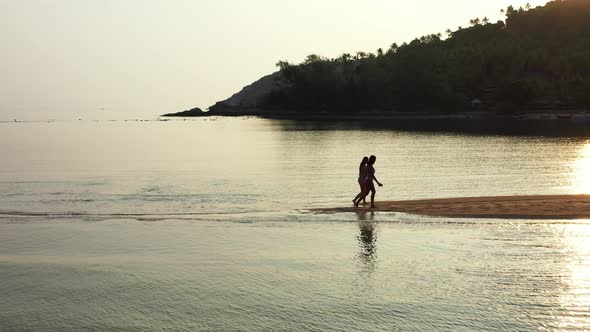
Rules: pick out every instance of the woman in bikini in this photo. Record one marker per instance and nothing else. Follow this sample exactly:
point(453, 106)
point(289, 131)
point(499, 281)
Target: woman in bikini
point(361, 181)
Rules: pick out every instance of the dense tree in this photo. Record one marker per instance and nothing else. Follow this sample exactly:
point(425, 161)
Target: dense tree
point(538, 57)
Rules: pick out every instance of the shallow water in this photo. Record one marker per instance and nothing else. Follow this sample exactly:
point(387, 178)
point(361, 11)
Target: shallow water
point(202, 225)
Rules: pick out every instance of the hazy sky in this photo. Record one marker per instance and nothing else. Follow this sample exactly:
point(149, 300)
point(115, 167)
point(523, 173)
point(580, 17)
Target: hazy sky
point(66, 59)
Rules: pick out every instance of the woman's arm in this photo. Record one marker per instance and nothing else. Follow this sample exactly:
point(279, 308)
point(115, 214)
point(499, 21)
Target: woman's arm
point(374, 178)
point(372, 173)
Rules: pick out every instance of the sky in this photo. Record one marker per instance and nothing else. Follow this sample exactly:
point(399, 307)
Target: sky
point(125, 59)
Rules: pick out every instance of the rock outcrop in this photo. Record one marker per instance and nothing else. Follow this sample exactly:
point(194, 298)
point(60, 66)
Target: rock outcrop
point(192, 112)
point(252, 96)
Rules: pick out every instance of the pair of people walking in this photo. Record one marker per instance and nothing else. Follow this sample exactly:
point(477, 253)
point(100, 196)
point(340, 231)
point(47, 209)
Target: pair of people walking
point(365, 180)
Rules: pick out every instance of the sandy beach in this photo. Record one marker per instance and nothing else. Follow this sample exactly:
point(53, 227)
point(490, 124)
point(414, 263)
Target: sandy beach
point(525, 207)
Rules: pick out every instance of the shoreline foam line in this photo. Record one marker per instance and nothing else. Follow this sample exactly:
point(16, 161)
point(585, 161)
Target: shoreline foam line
point(504, 207)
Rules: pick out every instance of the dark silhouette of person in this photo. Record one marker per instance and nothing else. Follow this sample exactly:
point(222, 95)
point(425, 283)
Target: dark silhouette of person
point(361, 181)
point(368, 184)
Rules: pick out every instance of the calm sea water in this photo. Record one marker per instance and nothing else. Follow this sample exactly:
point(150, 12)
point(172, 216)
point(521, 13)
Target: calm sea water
point(203, 225)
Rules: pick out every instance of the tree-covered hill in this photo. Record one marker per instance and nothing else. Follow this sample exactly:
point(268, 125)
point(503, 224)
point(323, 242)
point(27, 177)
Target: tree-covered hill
point(538, 58)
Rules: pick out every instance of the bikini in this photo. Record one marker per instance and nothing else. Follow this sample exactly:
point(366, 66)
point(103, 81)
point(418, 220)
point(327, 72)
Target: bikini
point(361, 179)
point(369, 178)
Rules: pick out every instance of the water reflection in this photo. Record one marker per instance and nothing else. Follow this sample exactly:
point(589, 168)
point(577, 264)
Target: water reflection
point(367, 240)
point(575, 299)
point(502, 127)
point(581, 171)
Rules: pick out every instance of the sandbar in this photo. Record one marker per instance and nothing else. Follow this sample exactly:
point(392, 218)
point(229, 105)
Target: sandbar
point(504, 207)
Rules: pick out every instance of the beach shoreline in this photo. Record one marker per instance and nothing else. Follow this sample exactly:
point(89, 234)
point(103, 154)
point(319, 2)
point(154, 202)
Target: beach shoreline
point(504, 207)
point(543, 115)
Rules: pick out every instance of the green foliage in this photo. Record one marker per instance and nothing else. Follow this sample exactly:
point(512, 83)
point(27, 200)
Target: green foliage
point(513, 95)
point(538, 55)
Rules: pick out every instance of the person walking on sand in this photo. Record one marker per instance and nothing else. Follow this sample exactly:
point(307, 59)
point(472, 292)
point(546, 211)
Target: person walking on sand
point(368, 184)
point(361, 180)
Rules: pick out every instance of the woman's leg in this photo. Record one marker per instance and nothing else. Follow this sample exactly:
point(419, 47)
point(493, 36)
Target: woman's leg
point(373, 192)
point(366, 190)
point(361, 195)
point(364, 197)
point(358, 197)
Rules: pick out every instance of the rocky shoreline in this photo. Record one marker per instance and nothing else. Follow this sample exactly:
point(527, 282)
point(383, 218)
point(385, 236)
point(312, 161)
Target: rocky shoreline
point(577, 115)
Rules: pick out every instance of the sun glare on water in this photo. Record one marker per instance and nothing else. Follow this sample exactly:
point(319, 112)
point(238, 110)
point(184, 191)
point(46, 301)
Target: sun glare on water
point(581, 171)
point(575, 298)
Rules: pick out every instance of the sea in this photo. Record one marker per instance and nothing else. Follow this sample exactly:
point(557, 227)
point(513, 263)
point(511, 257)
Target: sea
point(210, 224)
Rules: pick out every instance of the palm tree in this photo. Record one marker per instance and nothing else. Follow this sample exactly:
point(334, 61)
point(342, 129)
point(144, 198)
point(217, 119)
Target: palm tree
point(344, 57)
point(313, 58)
point(283, 64)
point(379, 51)
point(486, 20)
point(393, 48)
point(449, 33)
point(510, 10)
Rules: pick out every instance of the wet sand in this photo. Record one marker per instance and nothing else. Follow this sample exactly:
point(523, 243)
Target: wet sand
point(508, 207)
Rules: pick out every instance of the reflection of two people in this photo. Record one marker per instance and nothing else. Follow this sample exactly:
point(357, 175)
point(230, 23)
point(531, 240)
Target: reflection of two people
point(367, 238)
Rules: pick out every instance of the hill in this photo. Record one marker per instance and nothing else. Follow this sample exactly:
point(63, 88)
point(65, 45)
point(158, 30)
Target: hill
point(535, 59)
